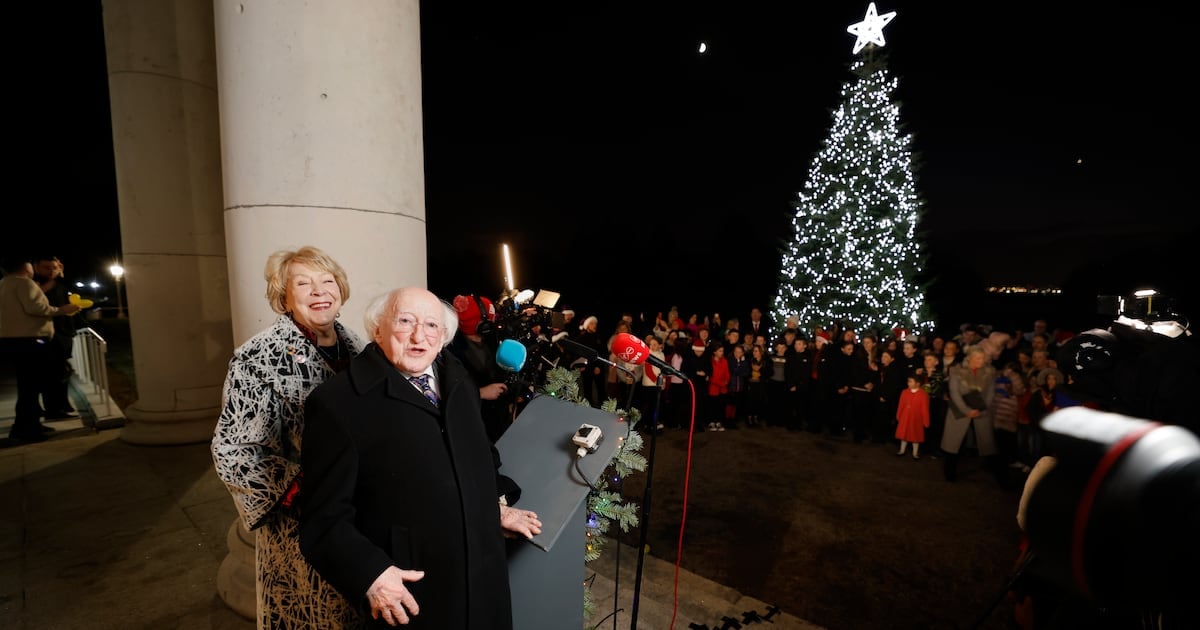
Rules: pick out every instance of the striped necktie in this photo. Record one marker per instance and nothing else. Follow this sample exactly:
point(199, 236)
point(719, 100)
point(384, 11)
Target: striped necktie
point(422, 382)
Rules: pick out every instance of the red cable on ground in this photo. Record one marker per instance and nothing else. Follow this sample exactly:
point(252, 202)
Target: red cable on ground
point(687, 475)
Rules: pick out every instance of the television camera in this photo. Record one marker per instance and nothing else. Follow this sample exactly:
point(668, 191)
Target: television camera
point(1112, 525)
point(529, 319)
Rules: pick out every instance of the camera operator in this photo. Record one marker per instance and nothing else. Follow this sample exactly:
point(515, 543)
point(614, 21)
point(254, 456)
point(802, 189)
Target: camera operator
point(478, 354)
point(565, 328)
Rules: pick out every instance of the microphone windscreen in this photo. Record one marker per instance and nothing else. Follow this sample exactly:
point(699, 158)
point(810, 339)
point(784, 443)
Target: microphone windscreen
point(630, 349)
point(524, 296)
point(510, 356)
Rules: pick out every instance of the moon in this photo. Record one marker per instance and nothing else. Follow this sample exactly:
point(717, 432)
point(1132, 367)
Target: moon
point(703, 47)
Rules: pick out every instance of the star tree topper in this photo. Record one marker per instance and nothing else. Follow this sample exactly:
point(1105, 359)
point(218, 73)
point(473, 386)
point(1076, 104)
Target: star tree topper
point(870, 30)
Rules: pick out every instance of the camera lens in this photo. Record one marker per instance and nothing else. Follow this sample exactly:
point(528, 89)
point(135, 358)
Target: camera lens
point(1116, 519)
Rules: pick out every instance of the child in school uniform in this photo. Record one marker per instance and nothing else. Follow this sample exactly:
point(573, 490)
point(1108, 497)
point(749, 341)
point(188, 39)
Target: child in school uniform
point(912, 417)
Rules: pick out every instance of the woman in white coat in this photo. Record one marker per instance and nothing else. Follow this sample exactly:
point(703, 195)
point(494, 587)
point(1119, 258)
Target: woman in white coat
point(256, 444)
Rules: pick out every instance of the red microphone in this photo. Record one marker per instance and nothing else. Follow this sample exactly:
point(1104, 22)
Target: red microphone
point(630, 349)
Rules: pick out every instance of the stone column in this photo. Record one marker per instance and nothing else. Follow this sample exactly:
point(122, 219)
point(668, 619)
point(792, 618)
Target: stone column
point(321, 145)
point(162, 86)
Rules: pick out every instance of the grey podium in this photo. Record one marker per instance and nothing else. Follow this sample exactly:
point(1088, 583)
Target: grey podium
point(546, 574)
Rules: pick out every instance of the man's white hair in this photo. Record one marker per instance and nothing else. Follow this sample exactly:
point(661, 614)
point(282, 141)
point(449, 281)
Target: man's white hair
point(381, 306)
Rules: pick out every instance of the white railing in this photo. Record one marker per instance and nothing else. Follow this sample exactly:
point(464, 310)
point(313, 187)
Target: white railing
point(90, 358)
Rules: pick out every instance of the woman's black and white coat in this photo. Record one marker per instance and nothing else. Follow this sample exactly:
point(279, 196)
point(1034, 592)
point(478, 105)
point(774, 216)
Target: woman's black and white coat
point(256, 450)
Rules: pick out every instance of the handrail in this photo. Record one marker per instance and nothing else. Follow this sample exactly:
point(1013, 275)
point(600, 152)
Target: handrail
point(90, 359)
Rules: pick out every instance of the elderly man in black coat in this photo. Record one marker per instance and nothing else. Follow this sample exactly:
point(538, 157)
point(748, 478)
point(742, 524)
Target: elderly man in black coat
point(403, 510)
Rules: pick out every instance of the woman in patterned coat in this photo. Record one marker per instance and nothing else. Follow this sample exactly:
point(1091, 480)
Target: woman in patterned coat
point(256, 444)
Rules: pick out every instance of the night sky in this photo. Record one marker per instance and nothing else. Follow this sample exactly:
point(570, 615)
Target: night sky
point(628, 171)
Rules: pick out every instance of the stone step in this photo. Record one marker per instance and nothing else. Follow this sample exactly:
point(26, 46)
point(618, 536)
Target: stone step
point(702, 602)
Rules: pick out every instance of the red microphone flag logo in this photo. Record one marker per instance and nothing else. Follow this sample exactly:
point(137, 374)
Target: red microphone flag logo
point(630, 349)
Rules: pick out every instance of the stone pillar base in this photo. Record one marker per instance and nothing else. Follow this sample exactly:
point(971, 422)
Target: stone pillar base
point(163, 428)
point(236, 578)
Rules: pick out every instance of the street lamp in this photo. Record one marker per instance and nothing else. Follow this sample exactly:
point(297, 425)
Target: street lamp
point(118, 272)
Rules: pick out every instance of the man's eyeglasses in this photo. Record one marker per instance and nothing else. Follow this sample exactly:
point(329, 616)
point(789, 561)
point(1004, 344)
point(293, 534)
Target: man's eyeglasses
point(406, 322)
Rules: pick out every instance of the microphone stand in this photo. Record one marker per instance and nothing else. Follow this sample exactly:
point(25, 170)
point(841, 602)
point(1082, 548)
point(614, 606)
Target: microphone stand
point(589, 356)
point(641, 555)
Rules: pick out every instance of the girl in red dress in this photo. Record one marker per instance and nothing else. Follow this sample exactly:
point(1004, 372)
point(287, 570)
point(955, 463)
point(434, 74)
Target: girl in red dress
point(718, 388)
point(912, 416)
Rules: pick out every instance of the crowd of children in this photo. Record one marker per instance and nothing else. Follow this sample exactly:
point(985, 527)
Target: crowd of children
point(872, 387)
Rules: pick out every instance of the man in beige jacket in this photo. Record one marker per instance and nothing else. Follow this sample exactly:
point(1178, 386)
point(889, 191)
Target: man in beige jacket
point(26, 330)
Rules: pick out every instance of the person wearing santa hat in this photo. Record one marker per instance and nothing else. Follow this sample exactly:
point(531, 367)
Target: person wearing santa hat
point(478, 355)
point(567, 329)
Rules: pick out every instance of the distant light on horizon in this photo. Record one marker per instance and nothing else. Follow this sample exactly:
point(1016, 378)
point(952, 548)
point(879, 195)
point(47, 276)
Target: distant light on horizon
point(1050, 290)
point(94, 284)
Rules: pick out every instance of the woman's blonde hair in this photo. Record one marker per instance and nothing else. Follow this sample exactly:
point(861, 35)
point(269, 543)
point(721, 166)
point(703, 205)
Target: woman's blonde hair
point(276, 273)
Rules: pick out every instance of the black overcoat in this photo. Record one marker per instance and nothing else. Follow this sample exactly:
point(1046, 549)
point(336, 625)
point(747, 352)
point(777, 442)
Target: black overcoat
point(390, 479)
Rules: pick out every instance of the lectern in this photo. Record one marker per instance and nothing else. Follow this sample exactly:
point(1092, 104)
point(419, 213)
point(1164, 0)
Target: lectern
point(546, 574)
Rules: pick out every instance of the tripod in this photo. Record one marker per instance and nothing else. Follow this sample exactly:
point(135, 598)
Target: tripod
point(1012, 581)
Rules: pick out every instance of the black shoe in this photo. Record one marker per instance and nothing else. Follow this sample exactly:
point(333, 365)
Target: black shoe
point(47, 430)
point(61, 415)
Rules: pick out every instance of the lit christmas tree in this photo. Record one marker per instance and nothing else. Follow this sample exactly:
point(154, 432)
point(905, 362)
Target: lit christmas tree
point(855, 255)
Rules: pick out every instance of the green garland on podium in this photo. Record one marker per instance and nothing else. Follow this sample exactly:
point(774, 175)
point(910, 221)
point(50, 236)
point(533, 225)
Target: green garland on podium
point(605, 506)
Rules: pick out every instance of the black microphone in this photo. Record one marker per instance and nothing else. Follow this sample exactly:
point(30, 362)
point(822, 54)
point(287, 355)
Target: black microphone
point(586, 352)
point(591, 354)
point(630, 349)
